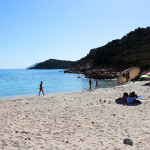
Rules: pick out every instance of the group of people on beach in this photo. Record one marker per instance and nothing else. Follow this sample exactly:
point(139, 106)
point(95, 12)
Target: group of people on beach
point(90, 83)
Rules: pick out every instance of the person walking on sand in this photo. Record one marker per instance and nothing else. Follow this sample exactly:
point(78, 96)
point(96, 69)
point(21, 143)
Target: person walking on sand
point(90, 83)
point(41, 88)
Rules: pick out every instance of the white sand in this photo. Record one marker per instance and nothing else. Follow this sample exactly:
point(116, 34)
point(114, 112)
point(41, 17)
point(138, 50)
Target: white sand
point(75, 121)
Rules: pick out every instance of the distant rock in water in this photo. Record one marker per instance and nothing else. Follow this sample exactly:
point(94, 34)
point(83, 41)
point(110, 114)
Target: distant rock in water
point(32, 66)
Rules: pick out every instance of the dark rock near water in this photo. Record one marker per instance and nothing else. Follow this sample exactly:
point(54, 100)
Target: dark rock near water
point(95, 73)
point(100, 74)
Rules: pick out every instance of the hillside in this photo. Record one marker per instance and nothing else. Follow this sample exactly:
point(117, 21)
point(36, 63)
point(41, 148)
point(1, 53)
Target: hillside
point(130, 51)
point(105, 62)
point(53, 64)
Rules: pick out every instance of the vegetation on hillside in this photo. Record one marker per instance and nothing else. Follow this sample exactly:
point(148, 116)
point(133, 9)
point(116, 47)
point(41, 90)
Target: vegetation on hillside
point(53, 64)
point(132, 50)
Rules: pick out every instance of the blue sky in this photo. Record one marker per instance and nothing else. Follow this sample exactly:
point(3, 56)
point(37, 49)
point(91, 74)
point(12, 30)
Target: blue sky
point(33, 31)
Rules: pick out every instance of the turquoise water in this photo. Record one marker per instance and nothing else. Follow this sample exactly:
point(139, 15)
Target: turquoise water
point(21, 82)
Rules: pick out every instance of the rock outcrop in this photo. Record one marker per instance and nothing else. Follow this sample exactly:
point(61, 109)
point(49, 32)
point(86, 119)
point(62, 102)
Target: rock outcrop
point(132, 50)
point(96, 73)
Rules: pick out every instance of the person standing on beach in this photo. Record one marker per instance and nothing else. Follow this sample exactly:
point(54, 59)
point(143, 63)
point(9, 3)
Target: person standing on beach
point(90, 83)
point(96, 83)
point(41, 88)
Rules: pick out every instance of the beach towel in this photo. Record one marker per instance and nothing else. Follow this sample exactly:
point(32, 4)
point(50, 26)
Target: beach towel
point(141, 98)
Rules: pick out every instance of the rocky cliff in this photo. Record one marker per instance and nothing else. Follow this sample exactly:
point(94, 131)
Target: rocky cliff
point(106, 62)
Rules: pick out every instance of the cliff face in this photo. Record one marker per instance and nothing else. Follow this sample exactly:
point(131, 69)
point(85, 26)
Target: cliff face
point(130, 51)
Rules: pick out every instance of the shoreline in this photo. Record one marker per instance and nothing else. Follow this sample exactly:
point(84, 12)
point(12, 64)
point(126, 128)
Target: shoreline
point(125, 86)
point(76, 120)
point(95, 88)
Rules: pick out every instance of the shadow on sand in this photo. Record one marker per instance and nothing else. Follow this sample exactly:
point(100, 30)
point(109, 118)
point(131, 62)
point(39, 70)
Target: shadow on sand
point(121, 102)
point(147, 84)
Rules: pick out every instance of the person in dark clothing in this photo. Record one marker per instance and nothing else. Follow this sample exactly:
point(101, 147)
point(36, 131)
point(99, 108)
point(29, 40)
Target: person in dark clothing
point(41, 88)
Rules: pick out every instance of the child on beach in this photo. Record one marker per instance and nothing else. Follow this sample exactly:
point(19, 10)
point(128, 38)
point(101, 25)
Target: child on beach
point(41, 88)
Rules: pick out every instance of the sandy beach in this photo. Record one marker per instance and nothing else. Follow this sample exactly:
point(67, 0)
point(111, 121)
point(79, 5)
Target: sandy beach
point(86, 120)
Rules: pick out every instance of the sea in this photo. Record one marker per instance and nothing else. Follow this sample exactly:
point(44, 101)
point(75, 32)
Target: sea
point(26, 82)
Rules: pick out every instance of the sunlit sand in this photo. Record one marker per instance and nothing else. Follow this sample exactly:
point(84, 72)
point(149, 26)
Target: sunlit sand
point(78, 120)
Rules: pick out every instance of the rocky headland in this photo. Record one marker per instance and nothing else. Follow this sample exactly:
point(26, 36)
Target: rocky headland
point(96, 73)
point(108, 61)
